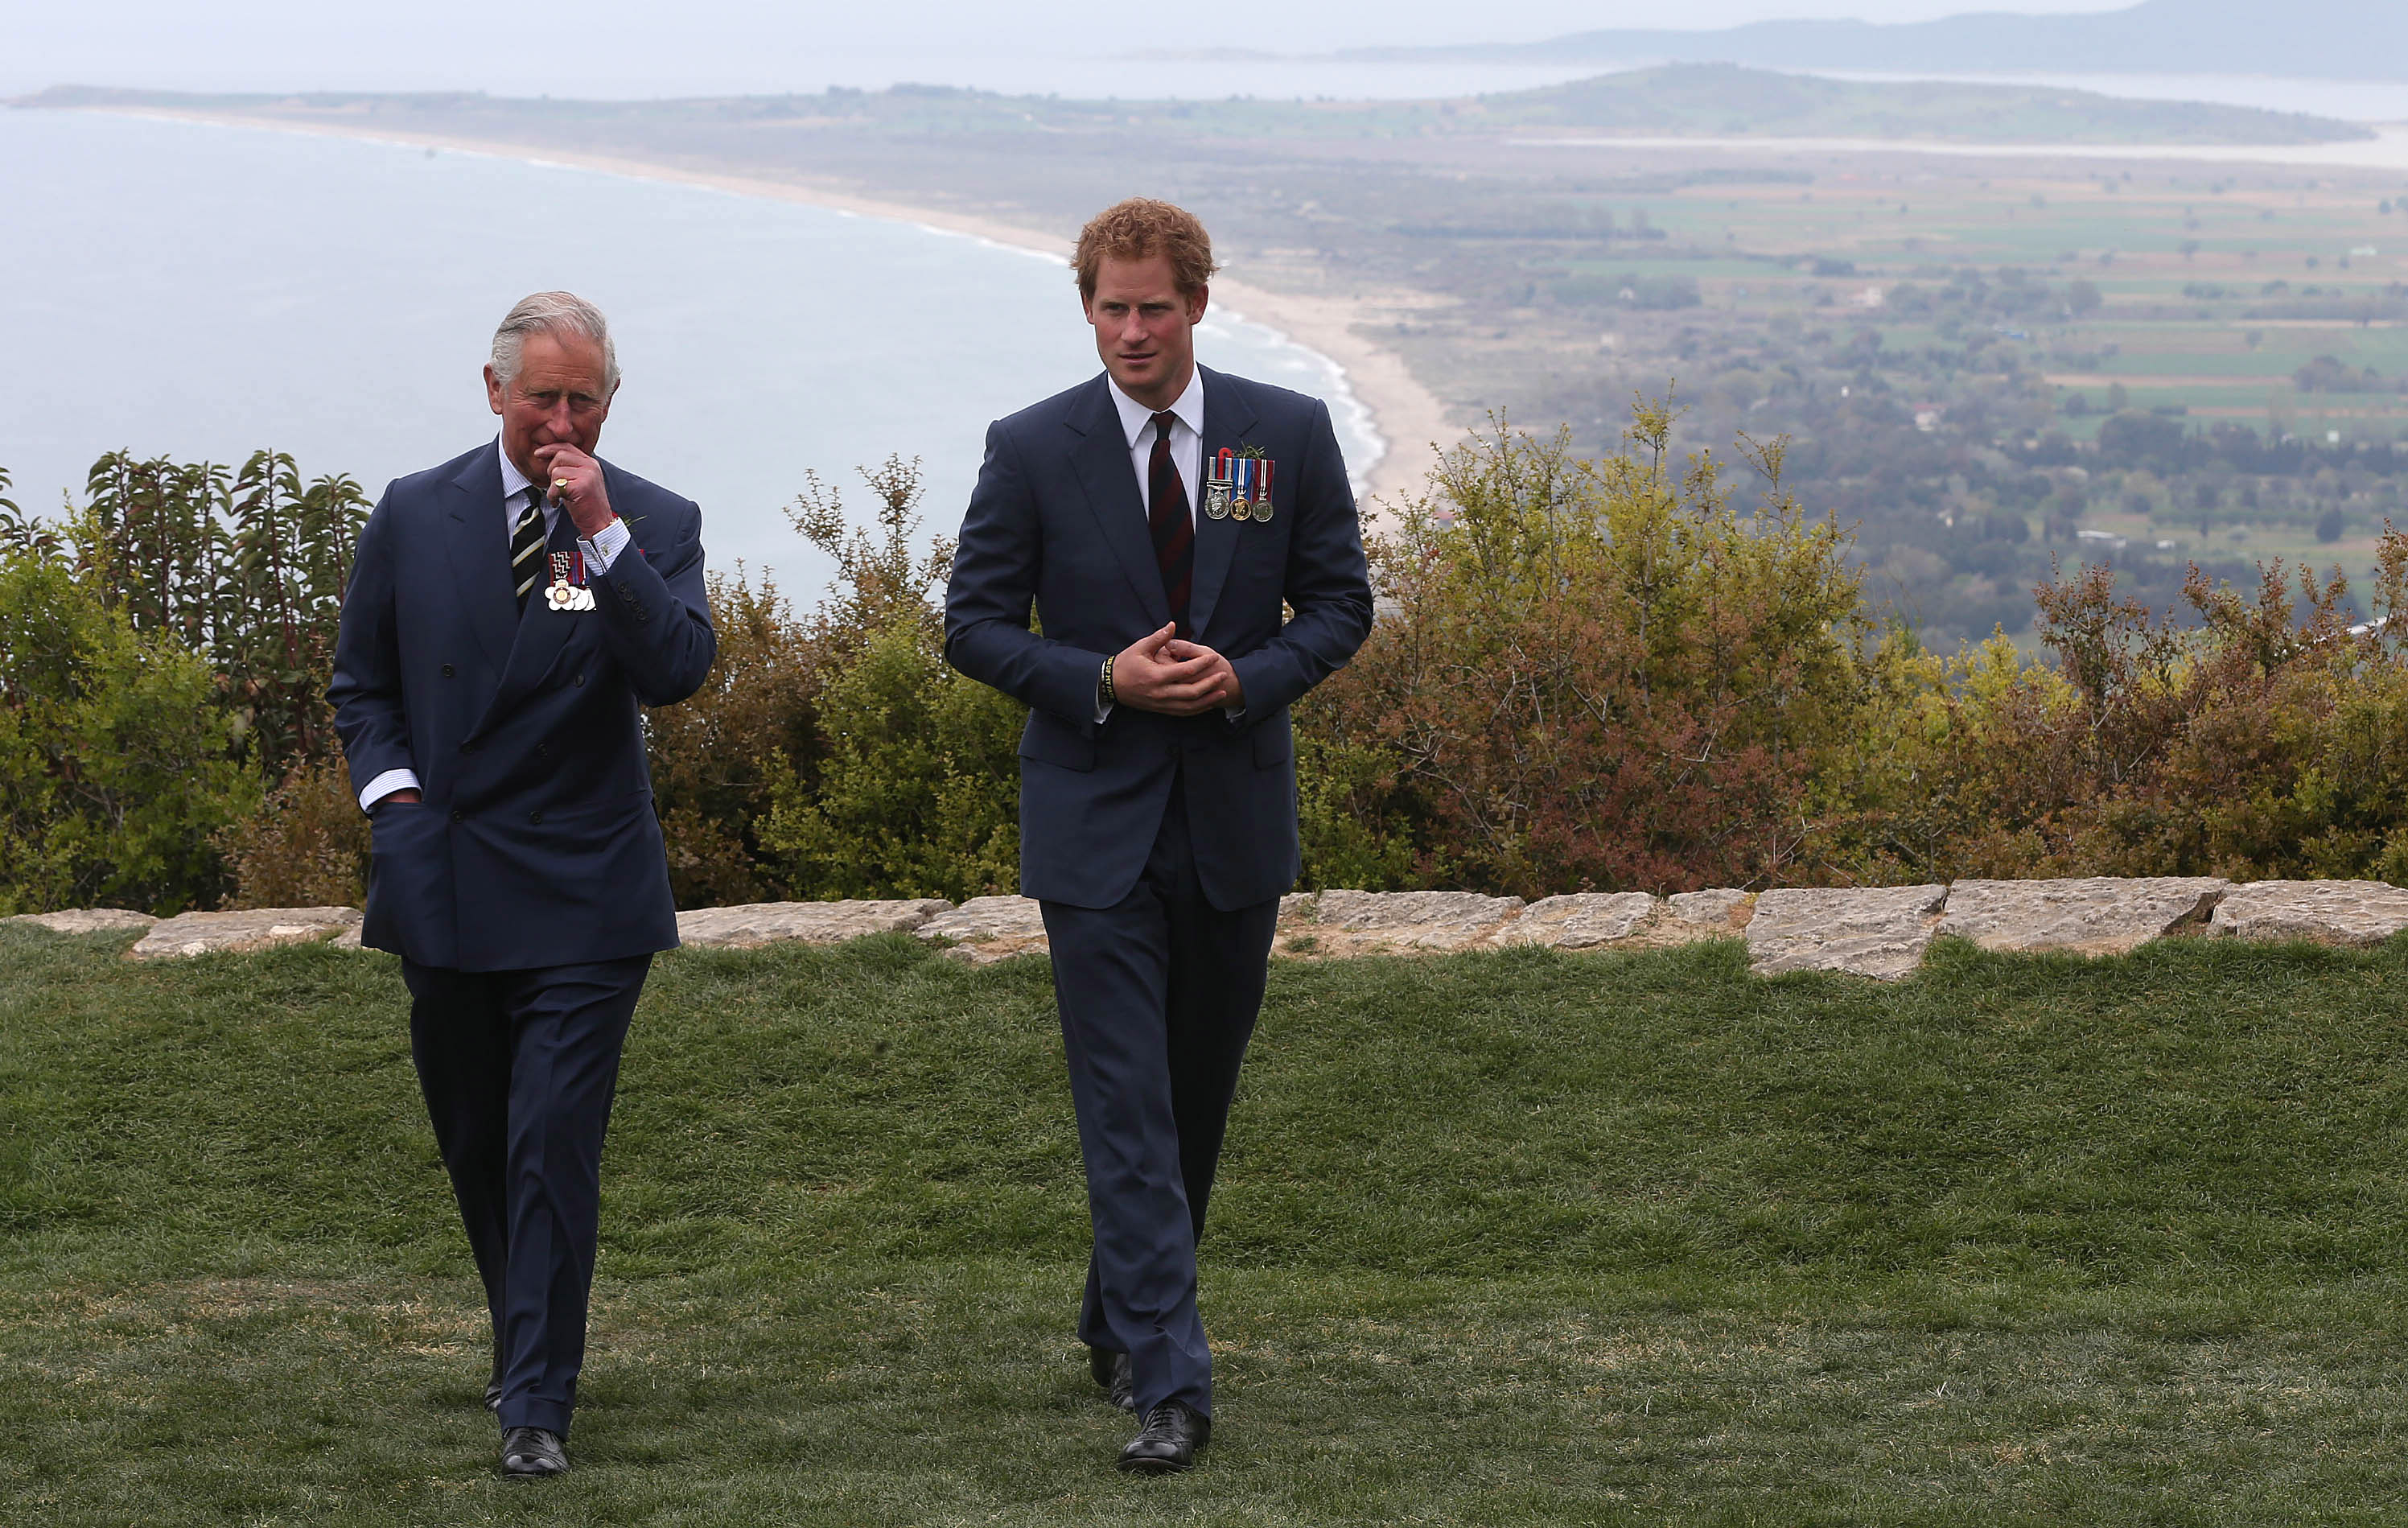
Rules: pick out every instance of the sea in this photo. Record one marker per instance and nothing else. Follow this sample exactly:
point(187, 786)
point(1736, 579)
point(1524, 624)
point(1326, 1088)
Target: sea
point(201, 292)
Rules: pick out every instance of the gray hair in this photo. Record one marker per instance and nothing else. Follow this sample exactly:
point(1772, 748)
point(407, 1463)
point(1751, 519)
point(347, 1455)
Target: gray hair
point(553, 313)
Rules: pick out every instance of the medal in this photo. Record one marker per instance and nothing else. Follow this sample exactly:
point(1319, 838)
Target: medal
point(564, 595)
point(1249, 482)
point(1218, 486)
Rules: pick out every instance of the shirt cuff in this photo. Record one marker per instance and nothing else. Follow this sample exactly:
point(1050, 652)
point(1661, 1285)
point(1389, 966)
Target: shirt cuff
point(385, 785)
point(604, 549)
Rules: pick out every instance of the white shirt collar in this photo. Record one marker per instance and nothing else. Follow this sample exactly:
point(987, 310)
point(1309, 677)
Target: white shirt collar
point(515, 483)
point(1135, 416)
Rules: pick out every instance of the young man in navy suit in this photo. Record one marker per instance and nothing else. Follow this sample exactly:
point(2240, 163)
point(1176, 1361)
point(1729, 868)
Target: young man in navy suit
point(510, 612)
point(1156, 519)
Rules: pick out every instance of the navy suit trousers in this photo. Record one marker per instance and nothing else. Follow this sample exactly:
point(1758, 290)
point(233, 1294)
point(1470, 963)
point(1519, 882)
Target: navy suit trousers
point(1158, 996)
point(519, 1069)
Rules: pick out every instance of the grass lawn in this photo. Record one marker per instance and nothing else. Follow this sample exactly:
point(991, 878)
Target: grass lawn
point(1503, 1238)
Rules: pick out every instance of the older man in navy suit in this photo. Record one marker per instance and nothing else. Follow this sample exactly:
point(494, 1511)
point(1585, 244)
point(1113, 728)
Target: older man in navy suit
point(510, 612)
point(1156, 518)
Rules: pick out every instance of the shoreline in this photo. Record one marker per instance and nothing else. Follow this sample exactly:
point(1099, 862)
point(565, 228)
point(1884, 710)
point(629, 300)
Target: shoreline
point(1403, 416)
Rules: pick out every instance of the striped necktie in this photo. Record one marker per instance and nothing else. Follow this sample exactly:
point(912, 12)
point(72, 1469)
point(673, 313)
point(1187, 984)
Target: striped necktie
point(526, 547)
point(1169, 519)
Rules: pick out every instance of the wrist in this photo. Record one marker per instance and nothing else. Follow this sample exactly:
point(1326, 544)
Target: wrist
point(1104, 683)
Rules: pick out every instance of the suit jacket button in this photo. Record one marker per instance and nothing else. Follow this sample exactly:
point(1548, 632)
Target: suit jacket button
point(535, 818)
point(458, 815)
point(578, 679)
point(446, 670)
point(467, 747)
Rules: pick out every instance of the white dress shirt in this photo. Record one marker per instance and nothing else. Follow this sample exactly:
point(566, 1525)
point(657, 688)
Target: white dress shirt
point(600, 551)
point(1186, 454)
point(1186, 439)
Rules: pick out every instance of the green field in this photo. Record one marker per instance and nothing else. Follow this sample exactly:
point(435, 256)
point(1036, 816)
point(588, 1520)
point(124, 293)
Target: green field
point(1503, 1239)
point(2212, 296)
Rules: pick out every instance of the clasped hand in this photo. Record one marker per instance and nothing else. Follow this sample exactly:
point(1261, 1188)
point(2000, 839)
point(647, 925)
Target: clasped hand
point(1164, 673)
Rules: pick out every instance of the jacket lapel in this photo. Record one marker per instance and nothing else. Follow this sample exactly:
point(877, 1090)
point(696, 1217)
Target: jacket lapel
point(480, 556)
point(1099, 456)
point(1227, 416)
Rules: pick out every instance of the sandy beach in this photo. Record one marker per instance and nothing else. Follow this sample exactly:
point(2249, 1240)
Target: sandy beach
point(1406, 418)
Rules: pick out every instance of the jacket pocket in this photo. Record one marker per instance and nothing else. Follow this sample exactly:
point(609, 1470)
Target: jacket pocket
point(1050, 742)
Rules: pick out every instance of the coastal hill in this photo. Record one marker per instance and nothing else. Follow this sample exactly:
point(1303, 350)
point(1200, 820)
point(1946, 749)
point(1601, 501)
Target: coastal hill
point(1717, 100)
point(1726, 100)
point(2311, 39)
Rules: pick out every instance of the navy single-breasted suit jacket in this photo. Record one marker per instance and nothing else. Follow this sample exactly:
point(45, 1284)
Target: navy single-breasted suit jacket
point(1057, 521)
point(536, 845)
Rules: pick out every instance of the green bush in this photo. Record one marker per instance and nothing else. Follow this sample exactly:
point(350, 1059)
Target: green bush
point(116, 763)
point(919, 792)
point(913, 788)
point(1587, 675)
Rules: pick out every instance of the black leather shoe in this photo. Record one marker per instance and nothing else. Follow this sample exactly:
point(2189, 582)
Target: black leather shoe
point(493, 1388)
point(531, 1451)
point(1111, 1371)
point(1166, 1444)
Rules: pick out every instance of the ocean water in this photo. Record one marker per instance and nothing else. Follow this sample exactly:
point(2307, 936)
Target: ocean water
point(201, 292)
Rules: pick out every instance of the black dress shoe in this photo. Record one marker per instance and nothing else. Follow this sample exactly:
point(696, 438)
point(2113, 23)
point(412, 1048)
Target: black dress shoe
point(1112, 1370)
point(1166, 1444)
point(494, 1389)
point(532, 1451)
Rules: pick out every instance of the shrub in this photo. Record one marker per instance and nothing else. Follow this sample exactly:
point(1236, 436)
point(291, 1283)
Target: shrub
point(2267, 740)
point(916, 787)
point(116, 766)
point(1587, 675)
point(305, 846)
point(716, 756)
point(919, 792)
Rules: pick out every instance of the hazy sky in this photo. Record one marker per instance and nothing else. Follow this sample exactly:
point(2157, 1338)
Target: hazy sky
point(600, 48)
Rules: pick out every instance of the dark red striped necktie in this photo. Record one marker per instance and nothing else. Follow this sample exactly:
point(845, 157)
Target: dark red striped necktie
point(1168, 517)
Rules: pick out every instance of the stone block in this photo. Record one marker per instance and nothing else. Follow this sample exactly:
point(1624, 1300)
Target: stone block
point(809, 923)
point(2092, 915)
point(189, 934)
point(1340, 923)
point(2327, 912)
point(1583, 921)
point(984, 930)
point(86, 920)
point(1718, 913)
point(1875, 931)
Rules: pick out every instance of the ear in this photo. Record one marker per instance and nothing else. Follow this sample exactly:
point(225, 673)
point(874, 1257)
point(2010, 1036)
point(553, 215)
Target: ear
point(1197, 304)
point(492, 389)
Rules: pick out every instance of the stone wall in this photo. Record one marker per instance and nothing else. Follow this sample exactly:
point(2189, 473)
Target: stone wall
point(1876, 932)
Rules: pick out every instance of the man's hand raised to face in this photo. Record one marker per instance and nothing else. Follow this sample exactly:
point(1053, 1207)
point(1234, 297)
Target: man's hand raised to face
point(586, 499)
point(1164, 672)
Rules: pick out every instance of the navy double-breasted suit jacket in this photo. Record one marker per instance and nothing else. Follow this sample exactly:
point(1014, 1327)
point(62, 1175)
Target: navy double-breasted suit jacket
point(1057, 521)
point(536, 843)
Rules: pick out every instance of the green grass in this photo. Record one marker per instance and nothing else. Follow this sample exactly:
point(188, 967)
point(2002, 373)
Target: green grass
point(1519, 1238)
